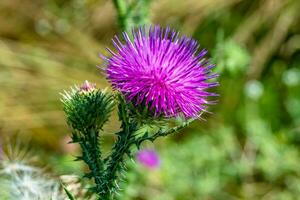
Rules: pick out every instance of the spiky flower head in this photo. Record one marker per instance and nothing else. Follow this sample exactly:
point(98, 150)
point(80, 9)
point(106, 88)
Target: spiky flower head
point(162, 70)
point(86, 107)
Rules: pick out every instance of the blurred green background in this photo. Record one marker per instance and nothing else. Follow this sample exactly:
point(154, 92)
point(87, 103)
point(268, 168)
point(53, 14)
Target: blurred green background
point(247, 149)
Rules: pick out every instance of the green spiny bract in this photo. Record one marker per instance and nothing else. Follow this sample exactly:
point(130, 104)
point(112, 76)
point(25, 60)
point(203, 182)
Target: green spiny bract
point(87, 110)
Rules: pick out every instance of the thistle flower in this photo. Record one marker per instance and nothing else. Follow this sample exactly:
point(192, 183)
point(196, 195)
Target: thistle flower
point(148, 158)
point(163, 70)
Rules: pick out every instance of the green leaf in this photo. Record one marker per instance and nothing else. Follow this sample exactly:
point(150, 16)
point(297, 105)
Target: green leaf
point(70, 196)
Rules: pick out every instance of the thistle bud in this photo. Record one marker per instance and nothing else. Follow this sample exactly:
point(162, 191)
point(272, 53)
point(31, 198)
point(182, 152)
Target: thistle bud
point(87, 107)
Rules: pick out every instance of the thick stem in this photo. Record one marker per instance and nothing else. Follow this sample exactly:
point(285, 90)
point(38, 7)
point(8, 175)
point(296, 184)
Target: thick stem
point(132, 14)
point(92, 157)
point(122, 10)
point(115, 163)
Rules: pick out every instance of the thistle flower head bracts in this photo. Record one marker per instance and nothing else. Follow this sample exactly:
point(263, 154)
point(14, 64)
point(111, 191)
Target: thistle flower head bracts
point(162, 70)
point(87, 107)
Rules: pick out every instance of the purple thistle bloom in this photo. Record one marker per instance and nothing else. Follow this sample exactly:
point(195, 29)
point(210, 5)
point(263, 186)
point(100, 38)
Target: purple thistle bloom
point(162, 70)
point(148, 158)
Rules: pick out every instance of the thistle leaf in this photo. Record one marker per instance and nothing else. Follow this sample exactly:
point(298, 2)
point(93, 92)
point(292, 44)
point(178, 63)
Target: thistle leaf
point(70, 196)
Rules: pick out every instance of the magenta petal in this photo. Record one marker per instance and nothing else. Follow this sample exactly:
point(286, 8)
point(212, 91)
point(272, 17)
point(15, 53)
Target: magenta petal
point(163, 70)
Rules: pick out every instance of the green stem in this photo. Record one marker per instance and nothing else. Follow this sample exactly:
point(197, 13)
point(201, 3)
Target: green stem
point(115, 163)
point(161, 133)
point(92, 157)
point(122, 10)
point(134, 14)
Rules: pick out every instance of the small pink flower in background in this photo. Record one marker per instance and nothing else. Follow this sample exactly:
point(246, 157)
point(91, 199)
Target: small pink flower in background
point(87, 86)
point(148, 158)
